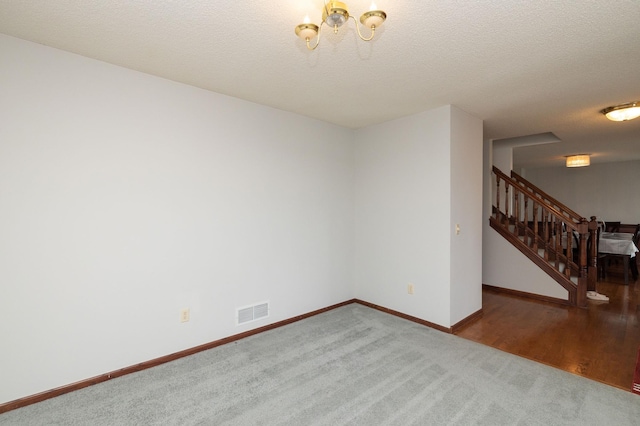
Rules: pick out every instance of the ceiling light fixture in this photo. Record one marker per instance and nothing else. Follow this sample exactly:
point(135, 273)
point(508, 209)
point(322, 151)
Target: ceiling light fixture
point(334, 15)
point(580, 160)
point(623, 112)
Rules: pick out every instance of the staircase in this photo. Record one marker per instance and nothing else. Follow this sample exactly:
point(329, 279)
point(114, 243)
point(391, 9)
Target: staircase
point(554, 237)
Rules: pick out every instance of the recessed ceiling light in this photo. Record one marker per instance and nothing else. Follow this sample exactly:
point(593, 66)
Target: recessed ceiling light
point(580, 160)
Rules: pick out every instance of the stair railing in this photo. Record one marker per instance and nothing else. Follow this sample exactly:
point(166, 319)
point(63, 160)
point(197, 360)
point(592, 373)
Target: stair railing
point(552, 236)
point(548, 198)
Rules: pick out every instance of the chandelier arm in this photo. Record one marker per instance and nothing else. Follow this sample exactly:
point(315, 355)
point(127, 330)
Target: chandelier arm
point(317, 39)
point(373, 30)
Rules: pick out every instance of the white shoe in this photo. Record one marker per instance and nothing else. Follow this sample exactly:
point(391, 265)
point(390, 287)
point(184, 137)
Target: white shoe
point(594, 295)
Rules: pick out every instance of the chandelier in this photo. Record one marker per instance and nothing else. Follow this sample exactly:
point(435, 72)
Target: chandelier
point(334, 15)
point(622, 112)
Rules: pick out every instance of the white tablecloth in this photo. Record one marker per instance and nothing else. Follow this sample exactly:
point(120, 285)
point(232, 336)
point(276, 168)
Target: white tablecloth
point(617, 243)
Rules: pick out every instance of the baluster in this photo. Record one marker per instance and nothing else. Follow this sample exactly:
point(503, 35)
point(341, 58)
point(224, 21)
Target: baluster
point(516, 212)
point(526, 219)
point(497, 196)
point(557, 240)
point(569, 237)
point(545, 232)
point(506, 204)
point(569, 244)
point(535, 226)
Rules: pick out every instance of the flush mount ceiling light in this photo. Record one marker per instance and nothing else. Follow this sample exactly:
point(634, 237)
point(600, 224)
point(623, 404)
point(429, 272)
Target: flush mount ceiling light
point(580, 160)
point(623, 112)
point(334, 15)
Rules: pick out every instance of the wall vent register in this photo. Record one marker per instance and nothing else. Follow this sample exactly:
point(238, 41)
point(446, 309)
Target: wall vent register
point(252, 313)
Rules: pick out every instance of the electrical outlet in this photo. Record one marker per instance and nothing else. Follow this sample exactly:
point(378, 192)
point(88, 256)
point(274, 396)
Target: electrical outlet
point(184, 315)
point(410, 288)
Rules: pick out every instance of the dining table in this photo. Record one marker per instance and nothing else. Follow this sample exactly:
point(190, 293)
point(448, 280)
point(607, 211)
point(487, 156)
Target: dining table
point(620, 244)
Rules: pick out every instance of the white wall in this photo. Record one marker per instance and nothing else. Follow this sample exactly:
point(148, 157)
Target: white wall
point(505, 266)
point(404, 207)
point(608, 190)
point(125, 198)
point(503, 157)
point(466, 211)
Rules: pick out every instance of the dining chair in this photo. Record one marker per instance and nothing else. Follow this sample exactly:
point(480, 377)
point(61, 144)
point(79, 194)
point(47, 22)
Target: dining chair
point(633, 262)
point(612, 227)
point(629, 228)
point(616, 259)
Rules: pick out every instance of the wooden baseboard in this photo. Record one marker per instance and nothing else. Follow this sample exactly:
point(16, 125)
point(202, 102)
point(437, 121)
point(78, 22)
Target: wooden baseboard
point(32, 399)
point(466, 321)
point(405, 316)
point(526, 294)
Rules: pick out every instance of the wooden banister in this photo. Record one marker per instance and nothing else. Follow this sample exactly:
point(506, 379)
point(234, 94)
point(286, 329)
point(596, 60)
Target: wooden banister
point(542, 194)
point(543, 229)
point(552, 207)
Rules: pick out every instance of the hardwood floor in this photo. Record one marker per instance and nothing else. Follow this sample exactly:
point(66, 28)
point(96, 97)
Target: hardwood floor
point(600, 342)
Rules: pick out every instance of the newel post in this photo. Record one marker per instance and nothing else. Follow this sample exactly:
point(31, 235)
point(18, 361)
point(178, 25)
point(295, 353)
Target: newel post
point(583, 278)
point(592, 273)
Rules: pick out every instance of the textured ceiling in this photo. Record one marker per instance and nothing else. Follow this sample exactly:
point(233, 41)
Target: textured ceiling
point(524, 67)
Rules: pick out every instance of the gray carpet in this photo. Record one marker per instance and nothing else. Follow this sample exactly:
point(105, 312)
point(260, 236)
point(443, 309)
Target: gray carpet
point(353, 365)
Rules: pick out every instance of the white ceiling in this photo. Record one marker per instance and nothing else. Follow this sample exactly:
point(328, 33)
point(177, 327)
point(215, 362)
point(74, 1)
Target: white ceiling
point(524, 67)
